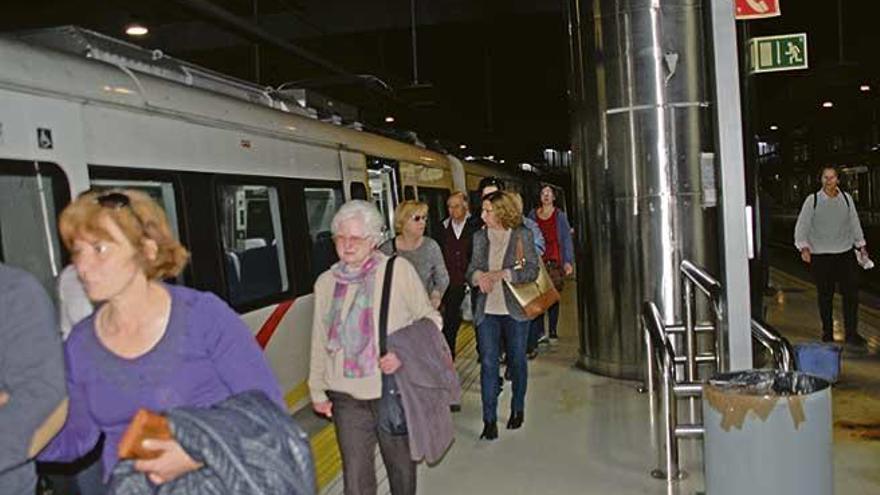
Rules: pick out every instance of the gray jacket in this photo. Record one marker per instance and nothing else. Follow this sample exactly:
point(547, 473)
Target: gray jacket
point(247, 445)
point(428, 386)
point(527, 273)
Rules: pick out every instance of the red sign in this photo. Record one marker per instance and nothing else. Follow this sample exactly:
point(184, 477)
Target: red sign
point(757, 9)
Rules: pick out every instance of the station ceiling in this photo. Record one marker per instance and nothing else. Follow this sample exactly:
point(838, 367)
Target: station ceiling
point(491, 73)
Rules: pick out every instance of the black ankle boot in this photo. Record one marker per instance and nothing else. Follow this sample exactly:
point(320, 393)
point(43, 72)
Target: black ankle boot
point(490, 431)
point(516, 420)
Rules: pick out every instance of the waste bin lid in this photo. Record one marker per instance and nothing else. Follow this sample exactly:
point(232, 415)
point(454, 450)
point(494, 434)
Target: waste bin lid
point(768, 382)
point(736, 393)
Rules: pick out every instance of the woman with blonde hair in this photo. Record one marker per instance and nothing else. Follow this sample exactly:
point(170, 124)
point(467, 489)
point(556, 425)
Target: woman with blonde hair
point(410, 219)
point(149, 344)
point(503, 251)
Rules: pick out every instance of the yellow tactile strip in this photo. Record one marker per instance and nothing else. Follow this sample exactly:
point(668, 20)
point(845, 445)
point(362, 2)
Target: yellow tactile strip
point(328, 463)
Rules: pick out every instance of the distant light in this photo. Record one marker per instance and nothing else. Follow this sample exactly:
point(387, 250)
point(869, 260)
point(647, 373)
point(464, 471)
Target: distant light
point(462, 146)
point(389, 119)
point(136, 29)
point(774, 127)
point(490, 157)
point(469, 158)
point(548, 150)
point(501, 161)
point(827, 104)
point(864, 88)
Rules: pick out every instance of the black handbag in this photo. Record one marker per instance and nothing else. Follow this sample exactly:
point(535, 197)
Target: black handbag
point(392, 418)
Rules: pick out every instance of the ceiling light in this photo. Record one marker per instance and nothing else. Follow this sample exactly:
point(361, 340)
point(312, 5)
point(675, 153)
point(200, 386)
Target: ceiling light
point(774, 127)
point(389, 119)
point(136, 29)
point(827, 104)
point(490, 157)
point(864, 88)
point(462, 146)
point(501, 161)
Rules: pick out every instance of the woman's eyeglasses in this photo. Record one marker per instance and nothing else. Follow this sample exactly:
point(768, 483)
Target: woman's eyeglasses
point(419, 218)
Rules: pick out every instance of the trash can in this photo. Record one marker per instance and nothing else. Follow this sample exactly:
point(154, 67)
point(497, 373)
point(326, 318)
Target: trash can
point(767, 432)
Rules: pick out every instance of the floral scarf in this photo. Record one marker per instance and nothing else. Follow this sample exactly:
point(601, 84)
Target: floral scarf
point(354, 332)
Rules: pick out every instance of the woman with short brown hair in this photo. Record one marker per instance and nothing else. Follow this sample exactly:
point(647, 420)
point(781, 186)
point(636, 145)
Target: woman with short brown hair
point(149, 344)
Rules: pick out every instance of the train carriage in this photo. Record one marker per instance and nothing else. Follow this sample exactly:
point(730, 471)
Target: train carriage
point(249, 180)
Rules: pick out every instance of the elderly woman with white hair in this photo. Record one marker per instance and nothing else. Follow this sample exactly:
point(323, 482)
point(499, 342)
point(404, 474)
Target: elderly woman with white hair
point(345, 379)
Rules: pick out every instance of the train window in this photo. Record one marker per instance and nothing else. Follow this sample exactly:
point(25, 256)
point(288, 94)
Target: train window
point(409, 192)
point(253, 245)
point(435, 198)
point(382, 189)
point(32, 195)
point(321, 204)
point(161, 191)
point(357, 190)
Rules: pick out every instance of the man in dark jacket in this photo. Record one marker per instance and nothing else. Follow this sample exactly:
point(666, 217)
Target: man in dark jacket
point(455, 241)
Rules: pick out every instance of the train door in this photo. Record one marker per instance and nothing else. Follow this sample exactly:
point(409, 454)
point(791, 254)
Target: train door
point(32, 195)
point(384, 180)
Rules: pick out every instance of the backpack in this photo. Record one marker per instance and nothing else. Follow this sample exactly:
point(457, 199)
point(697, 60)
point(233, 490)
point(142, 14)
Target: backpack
point(816, 199)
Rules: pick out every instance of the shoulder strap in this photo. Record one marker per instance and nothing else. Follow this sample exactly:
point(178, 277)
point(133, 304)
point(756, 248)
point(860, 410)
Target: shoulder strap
point(383, 308)
point(394, 245)
point(519, 247)
point(815, 199)
point(845, 198)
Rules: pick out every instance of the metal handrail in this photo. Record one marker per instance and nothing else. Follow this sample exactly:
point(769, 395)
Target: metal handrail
point(660, 349)
point(780, 348)
point(705, 282)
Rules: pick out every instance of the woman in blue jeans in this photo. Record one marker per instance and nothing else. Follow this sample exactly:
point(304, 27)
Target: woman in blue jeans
point(504, 250)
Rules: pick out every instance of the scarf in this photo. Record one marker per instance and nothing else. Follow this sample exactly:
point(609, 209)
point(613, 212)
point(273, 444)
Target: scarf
point(354, 332)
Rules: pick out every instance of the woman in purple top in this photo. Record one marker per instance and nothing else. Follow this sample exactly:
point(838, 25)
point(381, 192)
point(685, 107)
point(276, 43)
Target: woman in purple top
point(148, 345)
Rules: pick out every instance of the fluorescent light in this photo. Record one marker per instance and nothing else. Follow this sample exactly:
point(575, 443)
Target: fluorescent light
point(462, 146)
point(864, 88)
point(490, 157)
point(389, 119)
point(774, 127)
point(827, 104)
point(136, 29)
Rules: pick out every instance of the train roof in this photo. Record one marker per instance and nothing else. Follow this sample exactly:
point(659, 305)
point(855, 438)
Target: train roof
point(76, 64)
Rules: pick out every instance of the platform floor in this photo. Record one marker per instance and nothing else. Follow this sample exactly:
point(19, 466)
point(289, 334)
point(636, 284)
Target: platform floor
point(587, 434)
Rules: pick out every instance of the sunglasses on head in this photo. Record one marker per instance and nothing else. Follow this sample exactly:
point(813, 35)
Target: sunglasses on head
point(116, 200)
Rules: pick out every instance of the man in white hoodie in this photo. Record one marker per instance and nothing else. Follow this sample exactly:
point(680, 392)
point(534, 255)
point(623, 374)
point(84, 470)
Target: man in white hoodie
point(826, 232)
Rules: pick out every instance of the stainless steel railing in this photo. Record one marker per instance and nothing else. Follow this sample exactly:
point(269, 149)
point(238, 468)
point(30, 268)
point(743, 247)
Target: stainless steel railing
point(779, 347)
point(679, 377)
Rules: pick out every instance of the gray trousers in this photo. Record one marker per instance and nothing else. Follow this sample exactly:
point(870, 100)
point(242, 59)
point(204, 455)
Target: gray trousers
point(357, 431)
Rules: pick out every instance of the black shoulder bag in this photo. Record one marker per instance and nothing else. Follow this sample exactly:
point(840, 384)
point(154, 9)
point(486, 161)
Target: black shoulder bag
point(392, 418)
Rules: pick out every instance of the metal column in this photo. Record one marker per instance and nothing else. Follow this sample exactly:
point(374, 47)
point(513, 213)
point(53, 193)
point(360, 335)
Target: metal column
point(735, 331)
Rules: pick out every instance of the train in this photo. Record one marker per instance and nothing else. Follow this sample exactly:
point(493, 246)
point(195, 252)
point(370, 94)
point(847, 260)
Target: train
point(248, 179)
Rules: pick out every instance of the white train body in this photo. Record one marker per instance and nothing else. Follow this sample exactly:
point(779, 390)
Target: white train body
point(68, 124)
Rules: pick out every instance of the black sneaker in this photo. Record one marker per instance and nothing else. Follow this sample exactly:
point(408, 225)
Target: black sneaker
point(856, 340)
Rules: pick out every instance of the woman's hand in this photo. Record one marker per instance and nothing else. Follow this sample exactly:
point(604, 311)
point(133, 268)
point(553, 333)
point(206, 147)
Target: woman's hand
point(567, 269)
point(323, 408)
point(171, 463)
point(436, 299)
point(389, 363)
point(486, 282)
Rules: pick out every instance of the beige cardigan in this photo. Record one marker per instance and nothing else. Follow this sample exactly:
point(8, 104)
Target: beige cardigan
point(409, 302)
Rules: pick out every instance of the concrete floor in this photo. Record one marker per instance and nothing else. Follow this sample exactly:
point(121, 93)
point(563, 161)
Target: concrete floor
point(587, 434)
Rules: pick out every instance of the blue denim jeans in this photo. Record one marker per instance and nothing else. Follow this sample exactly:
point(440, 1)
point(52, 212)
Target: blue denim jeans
point(516, 334)
point(536, 329)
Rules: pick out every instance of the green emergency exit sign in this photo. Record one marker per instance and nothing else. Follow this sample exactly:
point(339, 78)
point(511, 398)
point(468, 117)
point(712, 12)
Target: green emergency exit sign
point(777, 53)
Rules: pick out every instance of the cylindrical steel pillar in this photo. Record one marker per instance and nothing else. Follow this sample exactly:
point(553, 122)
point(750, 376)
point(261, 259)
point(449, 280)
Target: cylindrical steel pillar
point(643, 171)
